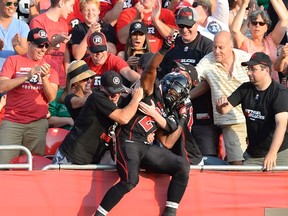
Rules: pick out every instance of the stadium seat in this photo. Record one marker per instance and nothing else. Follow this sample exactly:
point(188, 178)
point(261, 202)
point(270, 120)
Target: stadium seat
point(54, 138)
point(38, 161)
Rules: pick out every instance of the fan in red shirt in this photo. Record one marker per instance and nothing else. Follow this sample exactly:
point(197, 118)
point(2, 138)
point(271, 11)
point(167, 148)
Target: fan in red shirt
point(101, 61)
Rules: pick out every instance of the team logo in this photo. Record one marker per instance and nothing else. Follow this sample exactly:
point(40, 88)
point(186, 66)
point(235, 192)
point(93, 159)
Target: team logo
point(138, 26)
point(214, 27)
point(116, 80)
point(34, 79)
point(97, 40)
point(42, 34)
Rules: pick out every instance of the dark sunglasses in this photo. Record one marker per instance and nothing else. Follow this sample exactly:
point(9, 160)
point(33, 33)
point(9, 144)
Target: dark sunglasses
point(195, 4)
point(8, 4)
point(87, 79)
point(41, 46)
point(254, 23)
point(184, 26)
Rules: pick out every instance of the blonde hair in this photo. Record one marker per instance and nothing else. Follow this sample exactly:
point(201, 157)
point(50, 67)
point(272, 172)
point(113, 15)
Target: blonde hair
point(82, 3)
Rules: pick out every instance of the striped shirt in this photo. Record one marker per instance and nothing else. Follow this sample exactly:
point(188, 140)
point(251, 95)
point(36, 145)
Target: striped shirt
point(222, 83)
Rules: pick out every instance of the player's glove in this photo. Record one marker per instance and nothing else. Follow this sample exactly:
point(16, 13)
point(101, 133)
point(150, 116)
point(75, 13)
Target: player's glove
point(168, 43)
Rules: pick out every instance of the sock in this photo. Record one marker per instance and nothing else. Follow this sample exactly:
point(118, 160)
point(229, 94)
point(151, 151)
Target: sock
point(171, 208)
point(101, 211)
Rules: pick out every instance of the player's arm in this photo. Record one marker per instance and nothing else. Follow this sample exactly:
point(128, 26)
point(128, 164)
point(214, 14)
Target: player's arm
point(148, 77)
point(169, 139)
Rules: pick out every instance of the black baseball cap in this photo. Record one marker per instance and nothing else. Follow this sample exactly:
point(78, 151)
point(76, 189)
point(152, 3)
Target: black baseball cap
point(112, 82)
point(258, 58)
point(186, 16)
point(189, 68)
point(38, 36)
point(97, 42)
point(138, 27)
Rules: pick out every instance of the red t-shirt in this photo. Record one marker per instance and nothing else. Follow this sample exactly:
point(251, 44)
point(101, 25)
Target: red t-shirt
point(155, 39)
point(112, 63)
point(26, 102)
point(75, 17)
point(107, 5)
point(53, 28)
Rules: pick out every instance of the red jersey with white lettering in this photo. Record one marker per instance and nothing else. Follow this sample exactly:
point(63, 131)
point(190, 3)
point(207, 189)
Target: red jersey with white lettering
point(155, 39)
point(26, 102)
point(75, 17)
point(107, 5)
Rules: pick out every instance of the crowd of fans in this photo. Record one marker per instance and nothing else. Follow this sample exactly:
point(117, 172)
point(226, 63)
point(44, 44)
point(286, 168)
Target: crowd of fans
point(156, 83)
point(50, 65)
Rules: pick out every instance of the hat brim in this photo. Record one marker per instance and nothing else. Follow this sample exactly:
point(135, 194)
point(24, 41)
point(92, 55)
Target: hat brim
point(249, 63)
point(189, 23)
point(121, 89)
point(84, 75)
point(99, 48)
point(138, 30)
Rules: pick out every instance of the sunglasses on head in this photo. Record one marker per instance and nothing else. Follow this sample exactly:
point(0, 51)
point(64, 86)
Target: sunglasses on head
point(41, 46)
point(8, 4)
point(195, 4)
point(184, 26)
point(254, 23)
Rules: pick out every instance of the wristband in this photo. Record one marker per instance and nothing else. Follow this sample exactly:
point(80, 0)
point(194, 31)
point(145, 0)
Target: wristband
point(182, 121)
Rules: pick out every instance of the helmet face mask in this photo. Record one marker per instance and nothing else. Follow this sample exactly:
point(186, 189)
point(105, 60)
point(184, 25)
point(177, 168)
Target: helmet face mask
point(175, 88)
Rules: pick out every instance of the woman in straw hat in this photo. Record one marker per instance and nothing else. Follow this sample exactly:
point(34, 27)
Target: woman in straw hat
point(77, 87)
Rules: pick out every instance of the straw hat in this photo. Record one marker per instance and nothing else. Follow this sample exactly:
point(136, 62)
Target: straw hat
point(79, 70)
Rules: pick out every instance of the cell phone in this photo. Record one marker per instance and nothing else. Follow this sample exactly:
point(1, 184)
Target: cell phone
point(138, 55)
point(3, 93)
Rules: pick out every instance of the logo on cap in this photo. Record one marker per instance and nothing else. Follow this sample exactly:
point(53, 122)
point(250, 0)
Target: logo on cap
point(137, 26)
point(116, 80)
point(97, 40)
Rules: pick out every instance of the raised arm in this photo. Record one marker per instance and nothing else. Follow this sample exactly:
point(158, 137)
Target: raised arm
point(280, 28)
point(281, 62)
point(148, 77)
point(238, 36)
point(163, 29)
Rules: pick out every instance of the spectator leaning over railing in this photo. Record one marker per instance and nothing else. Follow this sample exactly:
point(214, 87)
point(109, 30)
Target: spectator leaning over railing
point(90, 136)
point(222, 72)
point(31, 81)
point(265, 106)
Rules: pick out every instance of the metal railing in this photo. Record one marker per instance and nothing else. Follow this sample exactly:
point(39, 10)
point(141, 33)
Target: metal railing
point(27, 165)
point(199, 167)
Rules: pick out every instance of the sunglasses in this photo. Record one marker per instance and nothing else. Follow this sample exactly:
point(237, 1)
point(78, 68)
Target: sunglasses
point(86, 80)
point(184, 26)
point(195, 4)
point(8, 4)
point(254, 23)
point(41, 46)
